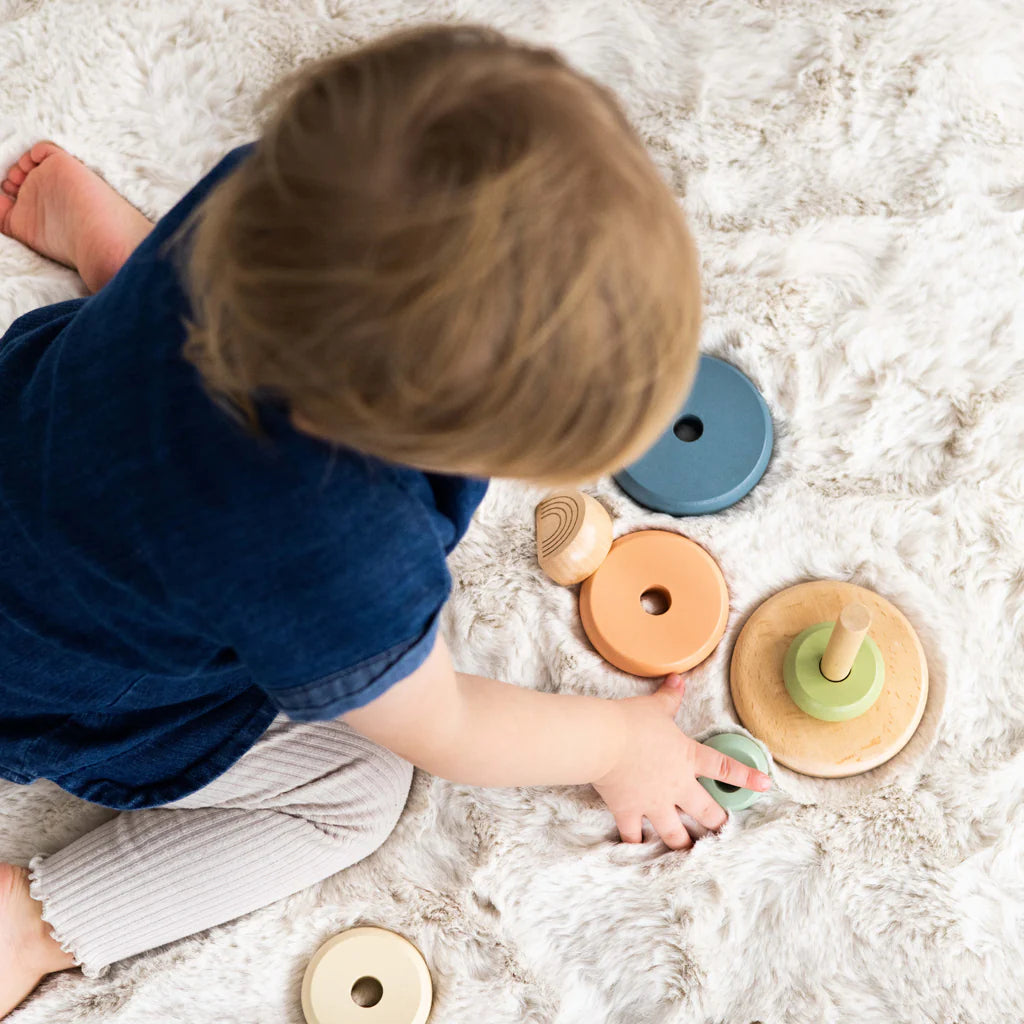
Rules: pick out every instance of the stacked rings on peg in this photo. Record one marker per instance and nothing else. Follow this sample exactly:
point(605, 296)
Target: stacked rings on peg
point(831, 677)
point(835, 671)
point(367, 976)
point(715, 451)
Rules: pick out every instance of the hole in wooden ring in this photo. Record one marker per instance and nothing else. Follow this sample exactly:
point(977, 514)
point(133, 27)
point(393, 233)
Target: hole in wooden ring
point(689, 428)
point(367, 992)
point(656, 600)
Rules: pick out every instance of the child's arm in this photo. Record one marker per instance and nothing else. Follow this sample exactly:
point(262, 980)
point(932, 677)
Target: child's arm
point(486, 733)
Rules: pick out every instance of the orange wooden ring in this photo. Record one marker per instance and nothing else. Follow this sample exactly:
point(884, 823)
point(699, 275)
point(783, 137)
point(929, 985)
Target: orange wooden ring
point(679, 572)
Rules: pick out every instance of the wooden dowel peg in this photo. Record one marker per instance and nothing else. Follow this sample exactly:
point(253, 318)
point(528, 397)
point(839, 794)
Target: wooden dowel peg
point(847, 636)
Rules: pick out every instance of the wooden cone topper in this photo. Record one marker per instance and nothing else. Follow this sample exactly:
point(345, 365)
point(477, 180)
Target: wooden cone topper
point(574, 534)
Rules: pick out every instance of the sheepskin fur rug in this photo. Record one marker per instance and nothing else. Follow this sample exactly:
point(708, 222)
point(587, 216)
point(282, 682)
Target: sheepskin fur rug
point(854, 175)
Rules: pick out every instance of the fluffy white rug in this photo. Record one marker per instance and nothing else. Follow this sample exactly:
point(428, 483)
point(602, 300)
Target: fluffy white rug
point(854, 174)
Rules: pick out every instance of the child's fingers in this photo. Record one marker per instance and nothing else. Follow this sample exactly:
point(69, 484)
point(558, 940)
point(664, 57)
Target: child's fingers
point(670, 693)
point(671, 830)
point(712, 764)
point(630, 827)
point(6, 206)
point(675, 681)
point(698, 803)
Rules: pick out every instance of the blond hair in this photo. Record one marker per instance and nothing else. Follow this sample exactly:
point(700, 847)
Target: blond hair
point(450, 250)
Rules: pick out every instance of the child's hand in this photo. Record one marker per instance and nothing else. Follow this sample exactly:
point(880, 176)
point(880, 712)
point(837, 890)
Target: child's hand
point(656, 771)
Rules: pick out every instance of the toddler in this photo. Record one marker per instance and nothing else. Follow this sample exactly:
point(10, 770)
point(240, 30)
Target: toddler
point(231, 477)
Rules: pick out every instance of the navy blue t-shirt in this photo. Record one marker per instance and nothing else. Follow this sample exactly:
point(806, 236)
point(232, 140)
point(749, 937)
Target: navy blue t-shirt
point(170, 581)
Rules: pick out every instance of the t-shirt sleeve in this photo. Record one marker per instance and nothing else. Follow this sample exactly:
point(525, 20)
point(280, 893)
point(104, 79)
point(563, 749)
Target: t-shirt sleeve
point(328, 606)
point(346, 611)
point(333, 624)
point(352, 687)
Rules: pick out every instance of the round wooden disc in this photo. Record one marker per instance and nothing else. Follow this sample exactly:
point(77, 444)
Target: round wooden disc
point(714, 452)
point(390, 967)
point(829, 750)
point(668, 566)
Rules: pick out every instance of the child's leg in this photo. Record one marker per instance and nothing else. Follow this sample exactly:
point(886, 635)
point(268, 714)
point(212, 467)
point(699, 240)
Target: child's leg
point(57, 206)
point(307, 801)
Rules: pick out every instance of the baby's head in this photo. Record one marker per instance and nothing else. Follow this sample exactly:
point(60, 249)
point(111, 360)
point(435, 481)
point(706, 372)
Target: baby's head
point(450, 250)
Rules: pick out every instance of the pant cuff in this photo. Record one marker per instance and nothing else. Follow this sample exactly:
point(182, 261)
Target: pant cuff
point(37, 890)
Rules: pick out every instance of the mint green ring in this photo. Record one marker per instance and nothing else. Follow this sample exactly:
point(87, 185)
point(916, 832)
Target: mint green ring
point(818, 696)
point(746, 751)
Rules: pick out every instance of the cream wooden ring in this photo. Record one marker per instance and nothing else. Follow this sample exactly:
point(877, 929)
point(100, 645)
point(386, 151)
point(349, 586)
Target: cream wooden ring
point(373, 953)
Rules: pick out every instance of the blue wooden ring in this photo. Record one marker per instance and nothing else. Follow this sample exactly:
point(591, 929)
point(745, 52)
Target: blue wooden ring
point(713, 453)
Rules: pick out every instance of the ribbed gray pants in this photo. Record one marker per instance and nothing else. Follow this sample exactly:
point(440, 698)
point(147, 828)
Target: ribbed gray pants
point(308, 800)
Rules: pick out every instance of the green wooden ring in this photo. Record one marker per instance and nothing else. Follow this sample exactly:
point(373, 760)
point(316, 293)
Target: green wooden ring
point(745, 750)
point(819, 696)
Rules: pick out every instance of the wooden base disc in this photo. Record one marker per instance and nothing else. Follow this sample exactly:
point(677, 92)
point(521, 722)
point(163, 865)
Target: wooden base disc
point(828, 750)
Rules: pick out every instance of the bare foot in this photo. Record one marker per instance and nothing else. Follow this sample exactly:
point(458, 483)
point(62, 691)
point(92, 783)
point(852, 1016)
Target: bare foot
point(27, 951)
point(57, 206)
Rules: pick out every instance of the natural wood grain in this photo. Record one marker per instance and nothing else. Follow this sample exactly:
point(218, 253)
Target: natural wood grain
point(827, 749)
point(574, 534)
point(844, 642)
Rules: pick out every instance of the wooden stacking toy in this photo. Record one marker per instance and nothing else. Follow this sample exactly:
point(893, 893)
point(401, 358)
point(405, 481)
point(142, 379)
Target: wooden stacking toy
point(651, 603)
point(367, 976)
point(831, 677)
point(715, 451)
